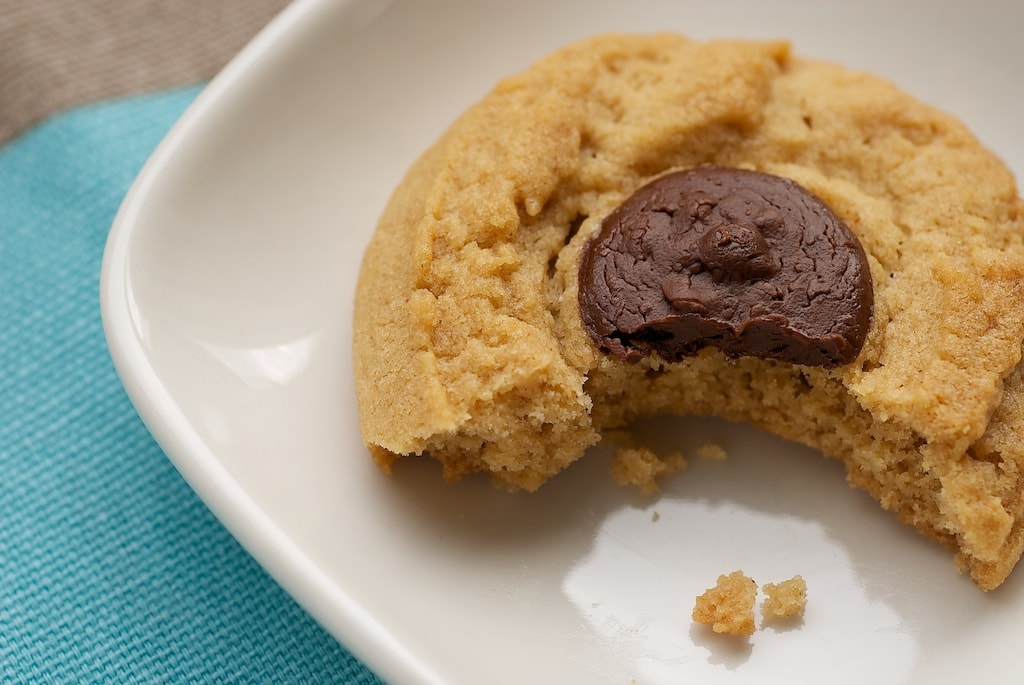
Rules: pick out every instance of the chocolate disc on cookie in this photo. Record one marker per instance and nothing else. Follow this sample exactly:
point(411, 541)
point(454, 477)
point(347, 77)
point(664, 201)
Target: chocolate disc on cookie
point(741, 260)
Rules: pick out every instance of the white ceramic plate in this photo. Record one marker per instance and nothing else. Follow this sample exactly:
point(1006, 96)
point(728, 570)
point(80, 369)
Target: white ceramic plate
point(226, 293)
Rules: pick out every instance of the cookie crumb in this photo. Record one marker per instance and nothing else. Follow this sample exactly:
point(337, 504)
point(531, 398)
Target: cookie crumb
point(641, 466)
point(712, 451)
point(784, 600)
point(655, 517)
point(729, 606)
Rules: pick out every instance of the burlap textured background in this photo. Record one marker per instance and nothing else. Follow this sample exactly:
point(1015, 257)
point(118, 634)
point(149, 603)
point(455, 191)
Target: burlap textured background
point(56, 54)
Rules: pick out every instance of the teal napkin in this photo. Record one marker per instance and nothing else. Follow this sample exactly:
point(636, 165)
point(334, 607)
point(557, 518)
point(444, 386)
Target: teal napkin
point(111, 569)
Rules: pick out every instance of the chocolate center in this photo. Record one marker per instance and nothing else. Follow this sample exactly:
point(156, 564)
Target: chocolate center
point(740, 260)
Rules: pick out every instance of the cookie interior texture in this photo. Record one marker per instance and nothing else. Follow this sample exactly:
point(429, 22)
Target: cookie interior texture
point(468, 340)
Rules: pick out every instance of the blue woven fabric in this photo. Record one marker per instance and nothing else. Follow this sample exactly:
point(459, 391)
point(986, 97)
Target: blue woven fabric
point(111, 569)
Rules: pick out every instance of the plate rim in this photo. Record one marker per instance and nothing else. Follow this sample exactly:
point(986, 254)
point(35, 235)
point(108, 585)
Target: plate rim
point(337, 612)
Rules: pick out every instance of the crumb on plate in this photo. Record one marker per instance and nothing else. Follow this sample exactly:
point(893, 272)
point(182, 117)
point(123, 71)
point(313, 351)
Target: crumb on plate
point(641, 466)
point(729, 606)
point(712, 451)
point(784, 600)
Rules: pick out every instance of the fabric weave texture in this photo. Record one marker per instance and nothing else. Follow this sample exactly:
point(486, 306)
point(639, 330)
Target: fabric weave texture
point(111, 569)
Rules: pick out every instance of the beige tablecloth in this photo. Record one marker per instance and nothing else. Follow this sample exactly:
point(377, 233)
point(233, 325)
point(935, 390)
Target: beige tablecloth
point(57, 54)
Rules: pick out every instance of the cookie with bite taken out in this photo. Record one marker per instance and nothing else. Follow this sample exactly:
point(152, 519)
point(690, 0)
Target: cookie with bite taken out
point(645, 224)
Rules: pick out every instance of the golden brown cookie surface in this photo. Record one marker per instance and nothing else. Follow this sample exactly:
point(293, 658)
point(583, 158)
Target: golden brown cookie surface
point(468, 336)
